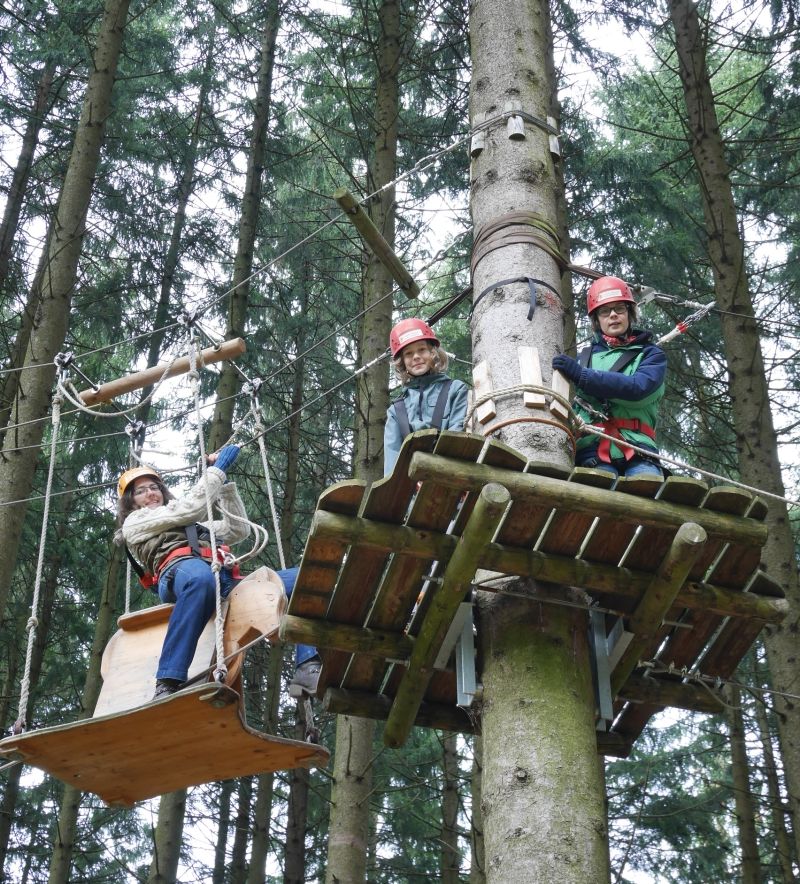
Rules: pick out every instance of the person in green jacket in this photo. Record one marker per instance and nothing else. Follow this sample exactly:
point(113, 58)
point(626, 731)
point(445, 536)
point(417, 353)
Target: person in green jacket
point(619, 382)
point(429, 398)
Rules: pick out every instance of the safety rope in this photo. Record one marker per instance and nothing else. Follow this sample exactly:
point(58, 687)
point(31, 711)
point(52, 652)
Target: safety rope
point(220, 670)
point(590, 429)
point(260, 429)
point(33, 621)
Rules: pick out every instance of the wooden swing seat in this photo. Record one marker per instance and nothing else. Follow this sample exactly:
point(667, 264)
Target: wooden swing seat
point(133, 749)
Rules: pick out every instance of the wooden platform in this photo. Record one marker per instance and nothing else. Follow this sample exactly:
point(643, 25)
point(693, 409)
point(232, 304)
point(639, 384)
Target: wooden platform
point(195, 736)
point(679, 562)
point(132, 748)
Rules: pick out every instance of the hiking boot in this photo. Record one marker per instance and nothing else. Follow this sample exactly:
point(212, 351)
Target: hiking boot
point(165, 687)
point(305, 678)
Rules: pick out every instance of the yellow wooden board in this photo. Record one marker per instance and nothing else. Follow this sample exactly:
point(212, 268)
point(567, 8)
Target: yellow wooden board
point(195, 736)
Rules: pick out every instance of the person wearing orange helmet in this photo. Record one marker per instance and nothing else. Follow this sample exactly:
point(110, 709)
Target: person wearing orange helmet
point(619, 381)
point(171, 540)
point(429, 398)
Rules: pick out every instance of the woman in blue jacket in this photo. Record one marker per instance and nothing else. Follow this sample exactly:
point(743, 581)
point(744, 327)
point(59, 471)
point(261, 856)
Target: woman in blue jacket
point(619, 383)
point(429, 397)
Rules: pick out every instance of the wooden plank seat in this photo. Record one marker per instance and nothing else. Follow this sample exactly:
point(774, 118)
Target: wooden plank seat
point(132, 748)
point(559, 526)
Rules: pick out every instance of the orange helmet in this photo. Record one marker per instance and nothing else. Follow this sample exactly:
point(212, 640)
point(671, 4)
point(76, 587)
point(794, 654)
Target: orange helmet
point(409, 330)
point(132, 475)
point(607, 290)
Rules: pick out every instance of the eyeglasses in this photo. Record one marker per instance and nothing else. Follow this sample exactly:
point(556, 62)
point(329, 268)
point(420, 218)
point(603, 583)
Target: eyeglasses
point(612, 308)
point(145, 489)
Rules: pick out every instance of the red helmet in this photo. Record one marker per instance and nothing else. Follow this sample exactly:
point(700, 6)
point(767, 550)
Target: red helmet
point(407, 331)
point(132, 475)
point(607, 290)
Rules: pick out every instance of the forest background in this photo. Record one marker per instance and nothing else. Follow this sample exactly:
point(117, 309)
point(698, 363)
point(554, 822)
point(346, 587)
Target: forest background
point(160, 159)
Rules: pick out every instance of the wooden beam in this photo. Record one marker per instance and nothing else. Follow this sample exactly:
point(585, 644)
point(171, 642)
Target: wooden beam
point(374, 239)
point(583, 498)
point(343, 637)
point(659, 597)
point(106, 392)
point(660, 692)
point(365, 705)
point(447, 596)
point(594, 577)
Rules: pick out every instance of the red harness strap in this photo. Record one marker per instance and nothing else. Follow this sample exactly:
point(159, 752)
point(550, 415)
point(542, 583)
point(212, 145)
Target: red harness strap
point(205, 552)
point(613, 426)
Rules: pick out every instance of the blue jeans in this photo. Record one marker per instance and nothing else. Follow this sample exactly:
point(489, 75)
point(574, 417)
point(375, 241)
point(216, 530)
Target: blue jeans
point(301, 652)
point(636, 466)
point(189, 585)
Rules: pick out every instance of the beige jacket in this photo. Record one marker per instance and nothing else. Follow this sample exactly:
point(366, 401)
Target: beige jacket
point(151, 534)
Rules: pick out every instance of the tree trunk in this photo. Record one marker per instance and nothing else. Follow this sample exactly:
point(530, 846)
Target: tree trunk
point(230, 380)
point(47, 338)
point(756, 443)
point(743, 797)
point(348, 836)
point(64, 843)
point(238, 865)
point(266, 782)
point(450, 855)
point(173, 253)
point(477, 866)
point(352, 772)
point(783, 846)
point(167, 839)
point(19, 178)
point(223, 823)
point(294, 870)
point(542, 795)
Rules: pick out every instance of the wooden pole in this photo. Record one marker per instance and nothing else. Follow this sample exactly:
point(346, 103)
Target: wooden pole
point(660, 692)
point(646, 620)
point(106, 392)
point(460, 571)
point(573, 497)
point(365, 705)
point(594, 577)
point(374, 239)
point(343, 637)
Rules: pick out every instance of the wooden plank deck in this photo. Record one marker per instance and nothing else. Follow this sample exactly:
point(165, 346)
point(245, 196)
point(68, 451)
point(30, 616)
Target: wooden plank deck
point(396, 538)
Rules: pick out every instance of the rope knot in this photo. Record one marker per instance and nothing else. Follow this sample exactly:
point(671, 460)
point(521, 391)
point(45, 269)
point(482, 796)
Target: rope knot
point(32, 623)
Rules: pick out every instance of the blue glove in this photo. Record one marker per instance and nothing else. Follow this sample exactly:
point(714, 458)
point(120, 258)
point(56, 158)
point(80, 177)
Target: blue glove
point(226, 457)
point(569, 367)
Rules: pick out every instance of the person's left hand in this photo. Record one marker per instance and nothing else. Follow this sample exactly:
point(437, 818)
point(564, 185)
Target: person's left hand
point(569, 367)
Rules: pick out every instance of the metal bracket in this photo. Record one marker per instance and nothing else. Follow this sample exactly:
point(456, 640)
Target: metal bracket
point(461, 637)
point(607, 649)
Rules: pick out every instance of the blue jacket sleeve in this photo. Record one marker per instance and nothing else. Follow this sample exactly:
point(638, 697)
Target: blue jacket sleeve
point(458, 407)
point(647, 378)
point(392, 441)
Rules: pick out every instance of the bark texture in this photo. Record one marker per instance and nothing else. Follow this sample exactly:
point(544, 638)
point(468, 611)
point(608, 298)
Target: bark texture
point(542, 796)
point(20, 445)
point(352, 772)
point(756, 442)
point(167, 838)
point(348, 836)
point(743, 796)
point(230, 379)
point(450, 857)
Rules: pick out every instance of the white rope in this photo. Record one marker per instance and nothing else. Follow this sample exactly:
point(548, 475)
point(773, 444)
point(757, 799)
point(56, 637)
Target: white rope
point(260, 429)
point(220, 670)
point(33, 622)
